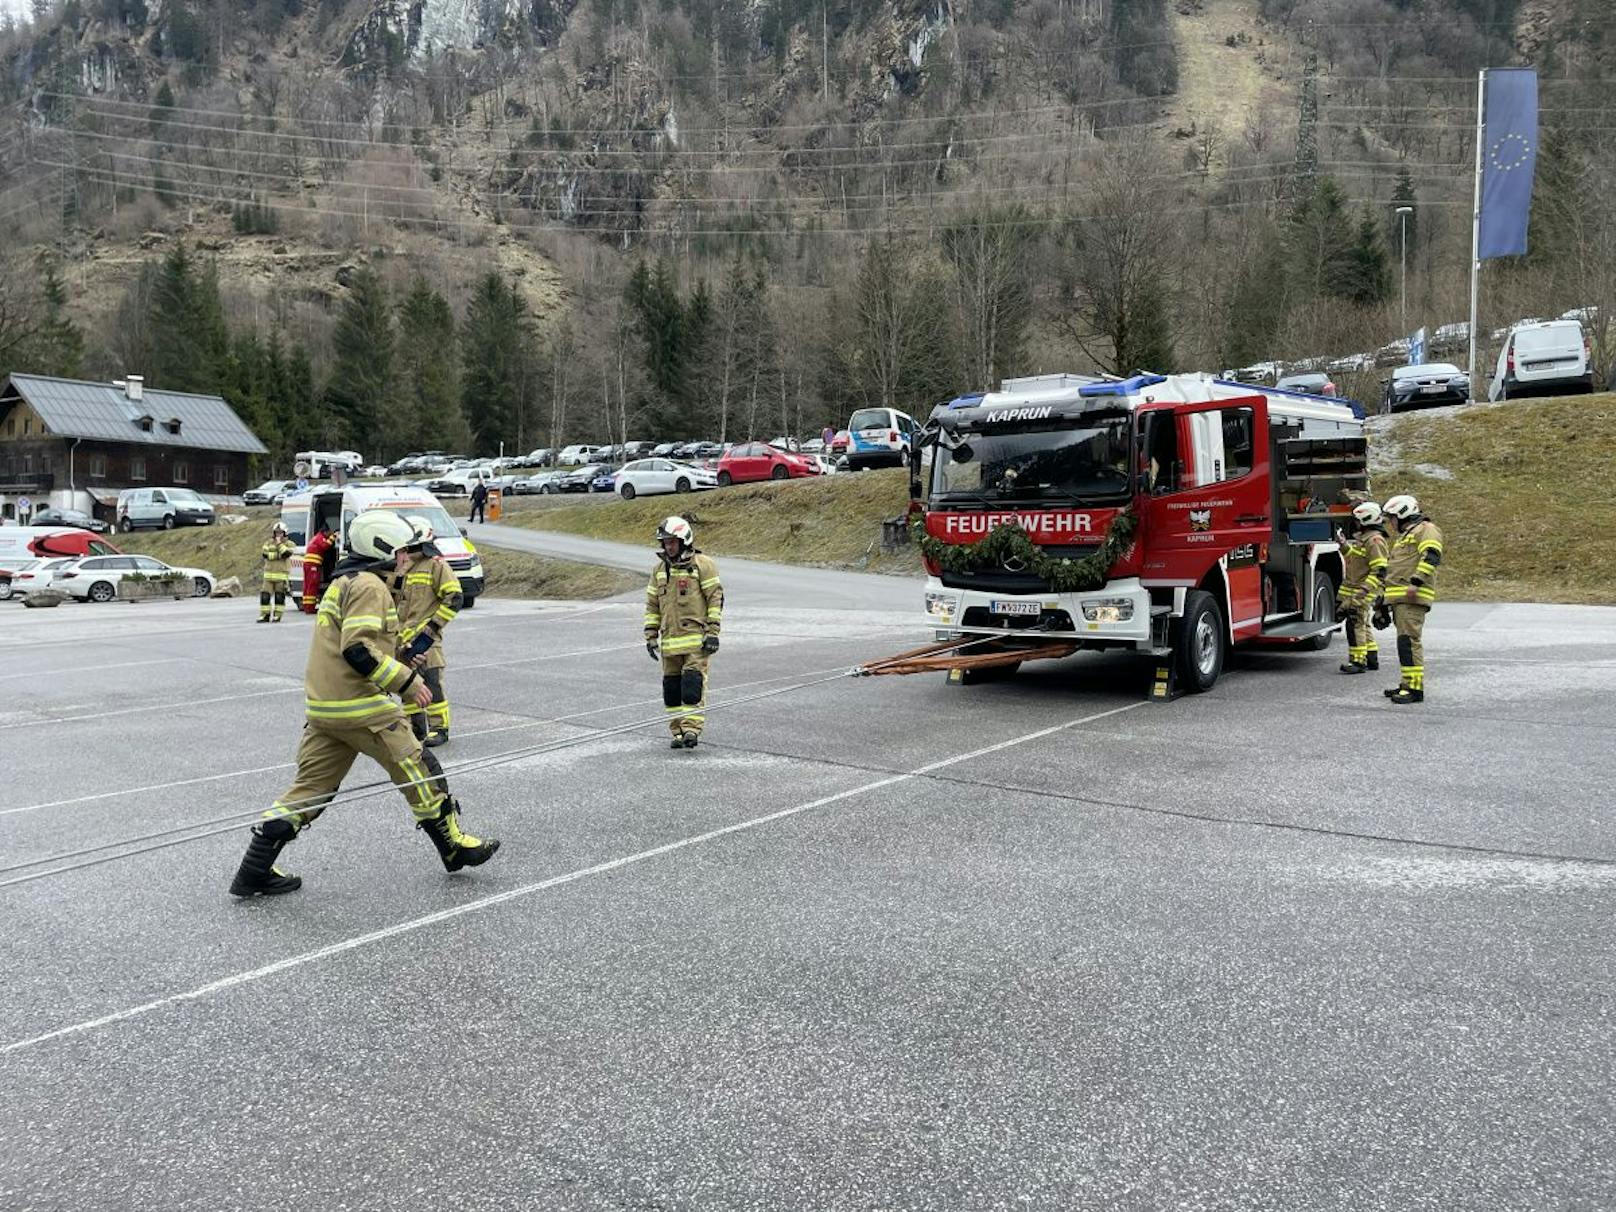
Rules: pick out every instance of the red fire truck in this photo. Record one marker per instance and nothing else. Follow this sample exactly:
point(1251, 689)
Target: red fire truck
point(1228, 489)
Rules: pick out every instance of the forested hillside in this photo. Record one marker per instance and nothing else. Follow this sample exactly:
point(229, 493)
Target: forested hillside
point(446, 224)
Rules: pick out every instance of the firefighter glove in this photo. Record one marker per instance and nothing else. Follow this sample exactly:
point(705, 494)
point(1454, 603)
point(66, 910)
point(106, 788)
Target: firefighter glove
point(710, 644)
point(651, 647)
point(1382, 616)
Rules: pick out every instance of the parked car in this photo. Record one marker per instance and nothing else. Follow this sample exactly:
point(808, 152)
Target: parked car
point(270, 492)
point(1313, 384)
point(647, 477)
point(605, 480)
point(541, 482)
point(638, 450)
point(1450, 338)
point(1544, 359)
point(76, 518)
point(1351, 364)
point(663, 449)
point(542, 457)
point(95, 578)
point(879, 438)
point(460, 482)
point(828, 465)
point(29, 576)
point(839, 443)
point(576, 456)
point(578, 479)
point(813, 446)
point(1425, 386)
point(1393, 353)
point(163, 507)
point(759, 461)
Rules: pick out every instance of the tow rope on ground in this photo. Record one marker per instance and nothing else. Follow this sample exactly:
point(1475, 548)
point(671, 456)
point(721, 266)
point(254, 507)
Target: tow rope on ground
point(948, 655)
point(145, 843)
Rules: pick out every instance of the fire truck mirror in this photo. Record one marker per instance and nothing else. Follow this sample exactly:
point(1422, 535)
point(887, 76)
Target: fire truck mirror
point(963, 453)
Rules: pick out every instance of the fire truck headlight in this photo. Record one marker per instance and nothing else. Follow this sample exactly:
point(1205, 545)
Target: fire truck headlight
point(941, 606)
point(1108, 610)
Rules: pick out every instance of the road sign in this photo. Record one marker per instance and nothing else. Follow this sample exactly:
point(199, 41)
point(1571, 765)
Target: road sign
point(302, 484)
point(24, 505)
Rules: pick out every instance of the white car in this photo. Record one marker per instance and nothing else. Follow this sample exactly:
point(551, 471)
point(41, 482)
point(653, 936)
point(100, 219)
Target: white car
point(31, 576)
point(1550, 358)
point(576, 456)
point(95, 578)
point(647, 477)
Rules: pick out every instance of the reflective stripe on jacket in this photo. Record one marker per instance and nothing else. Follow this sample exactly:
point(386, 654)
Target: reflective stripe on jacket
point(428, 597)
point(355, 609)
point(684, 602)
point(1414, 560)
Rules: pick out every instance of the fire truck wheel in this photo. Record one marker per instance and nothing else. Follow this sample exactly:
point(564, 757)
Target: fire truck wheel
point(1323, 608)
point(1199, 642)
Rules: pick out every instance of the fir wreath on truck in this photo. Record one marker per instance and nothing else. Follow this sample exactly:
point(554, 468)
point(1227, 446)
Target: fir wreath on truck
point(1010, 541)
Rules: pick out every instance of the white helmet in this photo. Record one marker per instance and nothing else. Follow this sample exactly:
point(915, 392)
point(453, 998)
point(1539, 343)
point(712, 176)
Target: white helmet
point(1401, 507)
point(1367, 513)
point(377, 534)
point(676, 528)
point(423, 528)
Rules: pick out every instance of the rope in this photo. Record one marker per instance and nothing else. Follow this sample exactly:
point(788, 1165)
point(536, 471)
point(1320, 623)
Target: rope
point(196, 831)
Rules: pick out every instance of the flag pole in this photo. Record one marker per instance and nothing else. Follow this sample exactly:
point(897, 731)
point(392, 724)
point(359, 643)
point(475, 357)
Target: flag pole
point(1475, 229)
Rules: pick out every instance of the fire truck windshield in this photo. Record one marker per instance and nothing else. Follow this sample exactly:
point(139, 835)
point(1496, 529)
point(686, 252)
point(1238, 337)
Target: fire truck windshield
point(1082, 459)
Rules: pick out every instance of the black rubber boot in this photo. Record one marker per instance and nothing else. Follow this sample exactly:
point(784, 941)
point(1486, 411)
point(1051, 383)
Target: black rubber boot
point(258, 875)
point(1353, 667)
point(689, 740)
point(1393, 692)
point(434, 739)
point(1405, 695)
point(1372, 662)
point(455, 848)
point(677, 743)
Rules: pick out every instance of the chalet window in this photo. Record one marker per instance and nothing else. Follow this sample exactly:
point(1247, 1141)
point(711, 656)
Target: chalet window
point(27, 426)
point(28, 465)
point(11, 427)
point(221, 476)
point(137, 468)
point(172, 425)
point(98, 466)
point(182, 473)
point(145, 423)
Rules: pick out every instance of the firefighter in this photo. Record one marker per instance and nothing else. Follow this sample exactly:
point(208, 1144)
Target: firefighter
point(684, 605)
point(428, 596)
point(1363, 577)
point(348, 686)
point(1411, 590)
point(274, 554)
point(314, 556)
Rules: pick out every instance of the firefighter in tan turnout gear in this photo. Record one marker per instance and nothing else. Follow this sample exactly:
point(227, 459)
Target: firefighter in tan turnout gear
point(1363, 578)
point(428, 596)
point(1411, 590)
point(274, 554)
point(348, 688)
point(684, 605)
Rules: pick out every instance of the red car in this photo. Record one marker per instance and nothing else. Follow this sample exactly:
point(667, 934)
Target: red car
point(749, 461)
point(839, 443)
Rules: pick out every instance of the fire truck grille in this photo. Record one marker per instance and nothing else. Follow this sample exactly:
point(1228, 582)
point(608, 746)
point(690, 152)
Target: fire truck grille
point(1009, 581)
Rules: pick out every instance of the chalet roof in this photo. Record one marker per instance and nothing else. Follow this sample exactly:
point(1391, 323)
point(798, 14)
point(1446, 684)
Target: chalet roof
point(74, 408)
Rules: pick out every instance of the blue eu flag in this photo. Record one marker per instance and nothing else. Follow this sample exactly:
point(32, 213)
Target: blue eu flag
point(1508, 158)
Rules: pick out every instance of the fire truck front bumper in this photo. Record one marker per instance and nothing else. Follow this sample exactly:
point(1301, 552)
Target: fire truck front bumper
point(1117, 615)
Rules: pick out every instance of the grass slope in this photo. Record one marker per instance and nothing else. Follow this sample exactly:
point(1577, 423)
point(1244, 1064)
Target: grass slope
point(1529, 511)
point(831, 522)
point(232, 551)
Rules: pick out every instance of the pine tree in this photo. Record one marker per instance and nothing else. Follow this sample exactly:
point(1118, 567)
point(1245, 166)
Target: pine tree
point(1322, 240)
point(359, 389)
point(189, 339)
point(1365, 280)
point(60, 344)
point(430, 414)
point(496, 363)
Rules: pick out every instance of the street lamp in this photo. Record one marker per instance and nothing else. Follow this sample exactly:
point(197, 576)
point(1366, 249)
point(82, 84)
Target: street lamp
point(1403, 212)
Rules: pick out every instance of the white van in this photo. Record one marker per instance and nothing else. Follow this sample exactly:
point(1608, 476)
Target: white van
point(879, 437)
point(164, 507)
point(301, 514)
point(1543, 359)
point(576, 456)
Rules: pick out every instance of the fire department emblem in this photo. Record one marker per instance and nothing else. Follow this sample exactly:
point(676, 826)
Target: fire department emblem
point(1200, 519)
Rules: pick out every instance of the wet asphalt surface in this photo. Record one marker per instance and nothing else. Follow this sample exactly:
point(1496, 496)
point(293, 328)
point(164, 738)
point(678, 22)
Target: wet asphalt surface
point(877, 943)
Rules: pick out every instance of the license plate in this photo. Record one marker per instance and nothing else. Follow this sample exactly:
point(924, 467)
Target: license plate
point(1015, 607)
point(1433, 389)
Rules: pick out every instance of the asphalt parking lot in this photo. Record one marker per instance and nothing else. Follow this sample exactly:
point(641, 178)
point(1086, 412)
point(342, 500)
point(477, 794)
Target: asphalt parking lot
point(878, 943)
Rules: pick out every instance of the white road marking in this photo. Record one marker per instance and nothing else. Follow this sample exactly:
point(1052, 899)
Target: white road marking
point(57, 673)
point(532, 723)
point(500, 898)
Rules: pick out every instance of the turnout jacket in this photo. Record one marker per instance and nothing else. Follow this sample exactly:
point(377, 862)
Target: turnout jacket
point(1414, 559)
point(275, 554)
point(352, 673)
point(428, 596)
point(684, 602)
point(1364, 559)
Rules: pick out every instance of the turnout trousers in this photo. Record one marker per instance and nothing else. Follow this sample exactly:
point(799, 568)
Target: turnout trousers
point(1409, 620)
point(1360, 635)
point(273, 587)
point(327, 753)
point(684, 690)
point(434, 717)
